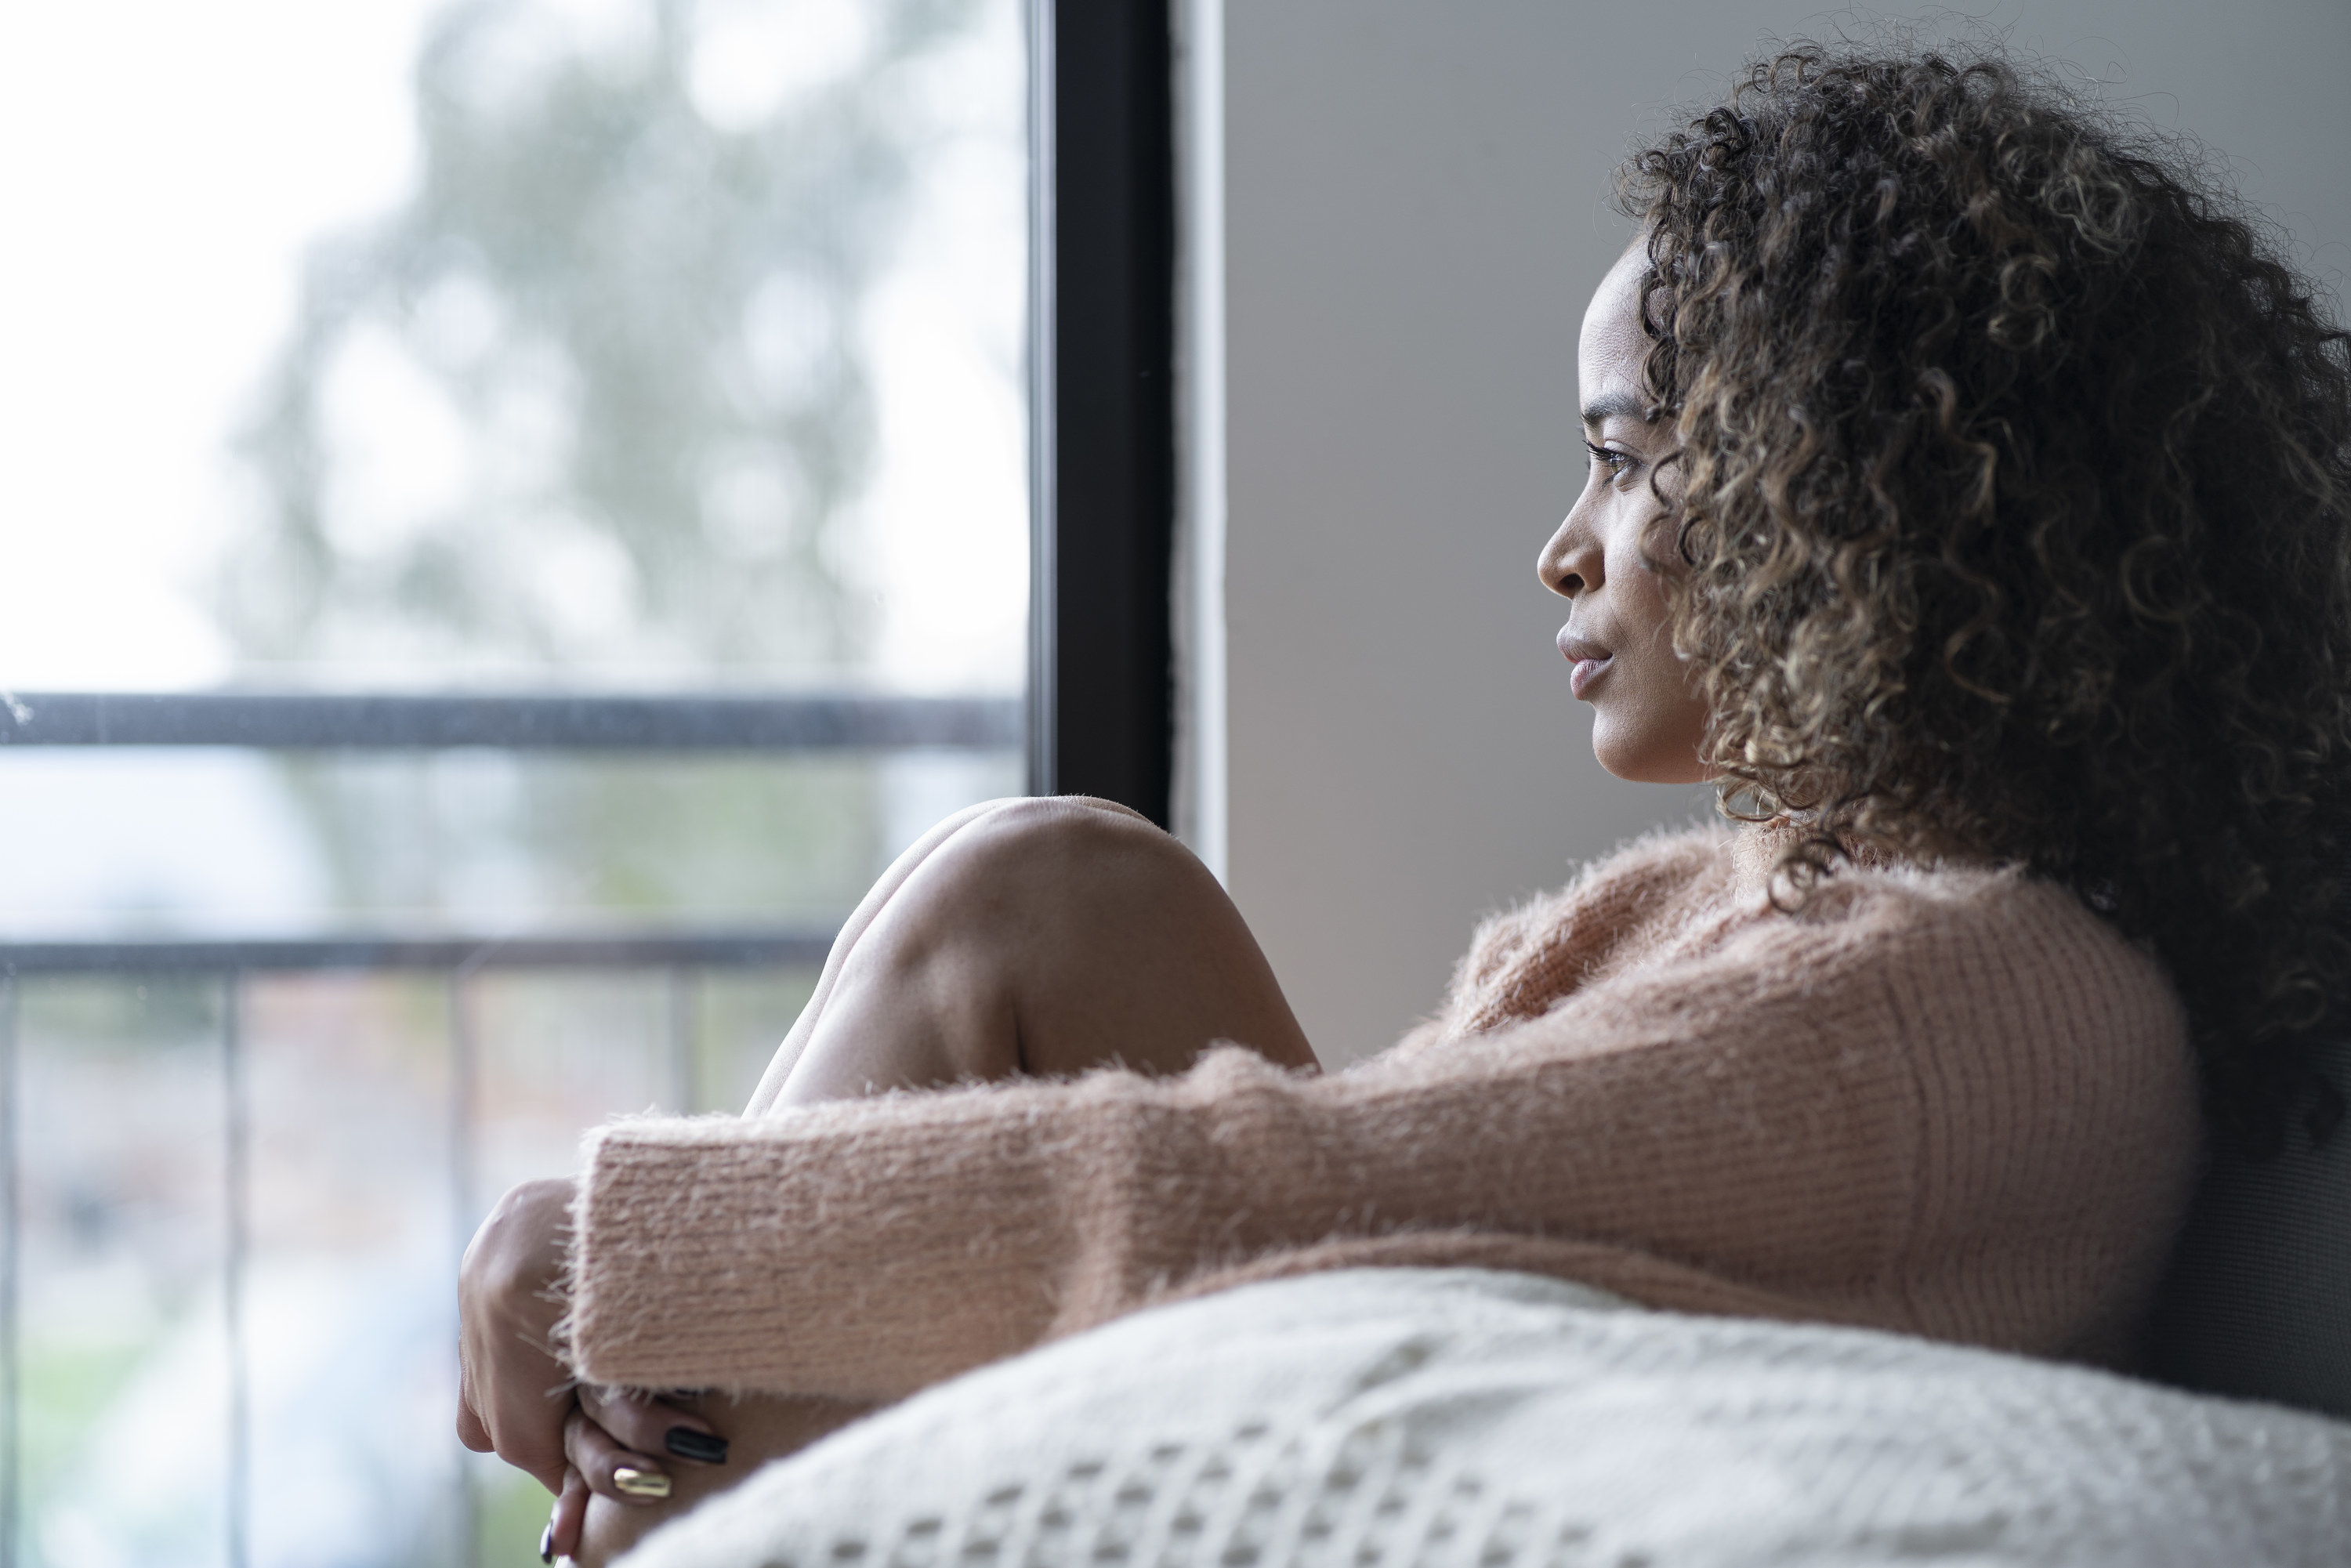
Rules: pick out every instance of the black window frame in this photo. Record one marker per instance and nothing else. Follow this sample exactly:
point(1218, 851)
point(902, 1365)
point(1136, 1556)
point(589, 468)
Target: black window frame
point(1102, 401)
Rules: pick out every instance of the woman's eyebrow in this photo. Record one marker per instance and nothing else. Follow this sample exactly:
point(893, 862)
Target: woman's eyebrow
point(1609, 405)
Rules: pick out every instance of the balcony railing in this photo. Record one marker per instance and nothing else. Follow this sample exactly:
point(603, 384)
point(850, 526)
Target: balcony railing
point(230, 966)
point(533, 722)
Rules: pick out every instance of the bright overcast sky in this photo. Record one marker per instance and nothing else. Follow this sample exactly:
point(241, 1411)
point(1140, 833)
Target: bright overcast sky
point(167, 162)
point(164, 165)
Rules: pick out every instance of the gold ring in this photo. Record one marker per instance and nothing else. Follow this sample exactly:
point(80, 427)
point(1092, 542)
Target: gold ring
point(630, 1481)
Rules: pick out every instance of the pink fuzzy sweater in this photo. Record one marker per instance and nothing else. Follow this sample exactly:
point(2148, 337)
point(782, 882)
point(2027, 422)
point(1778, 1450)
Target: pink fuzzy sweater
point(1949, 1103)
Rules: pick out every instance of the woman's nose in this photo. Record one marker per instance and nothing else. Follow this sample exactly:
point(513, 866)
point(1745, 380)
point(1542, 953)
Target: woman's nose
point(1570, 562)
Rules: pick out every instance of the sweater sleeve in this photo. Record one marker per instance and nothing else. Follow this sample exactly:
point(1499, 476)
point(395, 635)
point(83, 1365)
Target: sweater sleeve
point(1754, 1116)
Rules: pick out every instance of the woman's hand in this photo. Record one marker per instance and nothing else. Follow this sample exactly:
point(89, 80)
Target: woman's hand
point(515, 1397)
point(512, 1392)
point(615, 1430)
point(611, 1438)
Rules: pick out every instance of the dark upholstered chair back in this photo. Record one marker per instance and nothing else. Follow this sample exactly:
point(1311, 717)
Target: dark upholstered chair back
point(2257, 1301)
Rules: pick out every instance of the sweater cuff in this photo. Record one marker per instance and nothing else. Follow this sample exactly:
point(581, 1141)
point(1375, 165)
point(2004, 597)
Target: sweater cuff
point(806, 1254)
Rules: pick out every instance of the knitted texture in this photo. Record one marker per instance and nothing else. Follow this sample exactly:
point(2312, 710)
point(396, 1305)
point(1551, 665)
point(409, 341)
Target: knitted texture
point(1952, 1102)
point(1402, 1419)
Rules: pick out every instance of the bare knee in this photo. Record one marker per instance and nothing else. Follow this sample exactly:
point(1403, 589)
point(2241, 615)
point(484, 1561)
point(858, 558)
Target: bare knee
point(1046, 936)
point(1121, 944)
point(1059, 847)
point(1048, 886)
point(1035, 821)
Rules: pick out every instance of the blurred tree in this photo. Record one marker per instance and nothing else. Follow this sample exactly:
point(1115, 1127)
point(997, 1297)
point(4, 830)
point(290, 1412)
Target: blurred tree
point(591, 399)
point(590, 406)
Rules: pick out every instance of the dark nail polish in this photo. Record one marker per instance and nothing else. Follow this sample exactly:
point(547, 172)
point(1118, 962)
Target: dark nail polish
point(547, 1544)
point(688, 1444)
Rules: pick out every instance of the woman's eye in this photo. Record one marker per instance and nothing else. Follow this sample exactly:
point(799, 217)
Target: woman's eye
point(1617, 464)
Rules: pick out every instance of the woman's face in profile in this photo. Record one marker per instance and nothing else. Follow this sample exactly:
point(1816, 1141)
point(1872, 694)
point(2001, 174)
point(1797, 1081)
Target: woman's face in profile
point(1647, 720)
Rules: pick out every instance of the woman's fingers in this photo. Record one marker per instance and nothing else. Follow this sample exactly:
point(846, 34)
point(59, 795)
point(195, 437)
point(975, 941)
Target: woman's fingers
point(570, 1517)
point(611, 1470)
point(652, 1426)
point(472, 1430)
point(512, 1392)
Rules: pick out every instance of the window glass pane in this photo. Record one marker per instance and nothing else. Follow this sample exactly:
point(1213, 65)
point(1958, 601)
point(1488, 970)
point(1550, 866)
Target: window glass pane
point(647, 346)
point(645, 342)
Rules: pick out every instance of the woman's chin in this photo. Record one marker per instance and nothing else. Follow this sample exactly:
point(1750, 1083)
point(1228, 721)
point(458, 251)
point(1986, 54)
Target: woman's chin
point(1636, 763)
point(1645, 735)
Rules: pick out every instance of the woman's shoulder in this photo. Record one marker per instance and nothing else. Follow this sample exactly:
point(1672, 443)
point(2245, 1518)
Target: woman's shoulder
point(1986, 907)
point(1902, 904)
point(1974, 953)
point(1940, 938)
point(2051, 1064)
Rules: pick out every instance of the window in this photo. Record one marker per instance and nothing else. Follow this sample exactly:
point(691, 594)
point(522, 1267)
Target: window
point(522, 507)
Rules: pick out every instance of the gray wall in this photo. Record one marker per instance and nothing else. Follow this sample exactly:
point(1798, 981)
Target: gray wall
point(1416, 212)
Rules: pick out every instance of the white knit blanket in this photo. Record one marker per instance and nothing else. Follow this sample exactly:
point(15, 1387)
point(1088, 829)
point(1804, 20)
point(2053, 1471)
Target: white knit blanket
point(1380, 1418)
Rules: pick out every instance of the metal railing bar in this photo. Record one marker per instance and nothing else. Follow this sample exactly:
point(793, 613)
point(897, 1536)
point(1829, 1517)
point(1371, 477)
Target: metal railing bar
point(684, 1086)
point(462, 1088)
point(300, 721)
point(238, 1139)
point(699, 949)
point(11, 1222)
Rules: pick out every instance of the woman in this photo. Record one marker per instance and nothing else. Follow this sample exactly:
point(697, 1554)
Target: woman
point(1966, 500)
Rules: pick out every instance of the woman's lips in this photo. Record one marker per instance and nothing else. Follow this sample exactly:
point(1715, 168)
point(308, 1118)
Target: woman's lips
point(1590, 660)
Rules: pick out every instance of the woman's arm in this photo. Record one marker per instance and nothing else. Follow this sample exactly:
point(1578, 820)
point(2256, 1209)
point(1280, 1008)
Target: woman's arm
point(1850, 1112)
point(867, 1251)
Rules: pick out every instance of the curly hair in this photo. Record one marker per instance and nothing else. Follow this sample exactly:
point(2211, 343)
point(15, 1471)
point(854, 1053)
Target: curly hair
point(2014, 465)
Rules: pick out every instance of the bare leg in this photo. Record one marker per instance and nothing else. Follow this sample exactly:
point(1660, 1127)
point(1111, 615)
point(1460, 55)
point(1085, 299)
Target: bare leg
point(1045, 938)
point(1038, 936)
